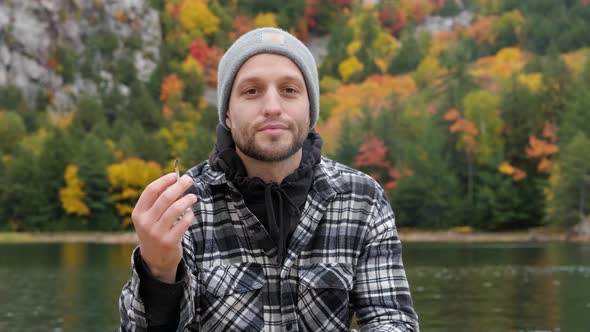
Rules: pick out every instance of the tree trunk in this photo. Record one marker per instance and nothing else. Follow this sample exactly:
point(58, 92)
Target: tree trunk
point(469, 180)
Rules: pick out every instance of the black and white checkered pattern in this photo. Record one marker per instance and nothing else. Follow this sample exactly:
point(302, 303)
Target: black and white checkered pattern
point(343, 258)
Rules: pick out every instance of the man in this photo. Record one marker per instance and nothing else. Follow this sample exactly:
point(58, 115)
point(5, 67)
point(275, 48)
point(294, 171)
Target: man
point(267, 235)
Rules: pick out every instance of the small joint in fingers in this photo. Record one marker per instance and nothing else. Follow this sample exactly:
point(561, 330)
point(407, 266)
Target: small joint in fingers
point(187, 210)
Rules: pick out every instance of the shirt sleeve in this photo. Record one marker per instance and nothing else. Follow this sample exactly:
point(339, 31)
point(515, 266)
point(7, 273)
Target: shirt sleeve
point(381, 291)
point(132, 306)
point(161, 300)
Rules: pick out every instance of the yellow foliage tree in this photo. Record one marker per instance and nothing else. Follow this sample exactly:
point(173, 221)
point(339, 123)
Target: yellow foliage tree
point(549, 191)
point(353, 47)
point(265, 20)
point(175, 136)
point(176, 133)
point(350, 67)
point(513, 20)
point(576, 60)
point(533, 81)
point(33, 142)
point(386, 48)
point(428, 71)
point(62, 119)
point(481, 109)
point(127, 180)
point(506, 62)
point(120, 15)
point(192, 66)
point(72, 195)
point(506, 168)
point(195, 15)
point(329, 83)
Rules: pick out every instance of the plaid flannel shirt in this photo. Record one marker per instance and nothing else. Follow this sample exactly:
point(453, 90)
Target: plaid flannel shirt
point(344, 257)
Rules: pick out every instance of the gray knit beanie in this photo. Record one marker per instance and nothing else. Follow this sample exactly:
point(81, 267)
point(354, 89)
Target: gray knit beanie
point(267, 40)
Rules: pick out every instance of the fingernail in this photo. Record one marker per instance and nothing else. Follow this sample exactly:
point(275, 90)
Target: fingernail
point(193, 197)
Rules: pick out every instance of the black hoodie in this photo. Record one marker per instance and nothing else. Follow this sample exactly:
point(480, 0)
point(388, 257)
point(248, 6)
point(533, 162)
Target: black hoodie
point(277, 206)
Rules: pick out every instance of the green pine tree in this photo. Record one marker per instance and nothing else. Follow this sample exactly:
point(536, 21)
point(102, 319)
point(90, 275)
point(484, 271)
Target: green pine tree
point(56, 153)
point(89, 115)
point(92, 160)
point(143, 108)
point(571, 193)
point(19, 192)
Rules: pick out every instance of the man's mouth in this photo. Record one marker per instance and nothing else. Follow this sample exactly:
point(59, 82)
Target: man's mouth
point(273, 127)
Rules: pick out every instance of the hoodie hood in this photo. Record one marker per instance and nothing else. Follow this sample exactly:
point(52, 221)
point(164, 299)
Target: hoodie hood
point(277, 206)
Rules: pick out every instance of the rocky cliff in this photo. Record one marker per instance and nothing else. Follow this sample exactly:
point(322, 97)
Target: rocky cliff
point(66, 48)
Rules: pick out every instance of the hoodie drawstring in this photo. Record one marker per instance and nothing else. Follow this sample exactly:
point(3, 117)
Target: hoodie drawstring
point(280, 224)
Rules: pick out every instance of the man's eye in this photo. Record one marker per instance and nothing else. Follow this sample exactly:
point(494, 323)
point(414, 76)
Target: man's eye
point(250, 92)
point(290, 90)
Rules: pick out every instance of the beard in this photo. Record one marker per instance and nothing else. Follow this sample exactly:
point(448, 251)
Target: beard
point(274, 148)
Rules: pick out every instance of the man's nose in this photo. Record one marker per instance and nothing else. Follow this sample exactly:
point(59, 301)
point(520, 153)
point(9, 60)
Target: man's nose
point(272, 102)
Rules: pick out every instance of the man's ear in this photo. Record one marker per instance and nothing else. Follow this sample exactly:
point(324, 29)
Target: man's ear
point(227, 121)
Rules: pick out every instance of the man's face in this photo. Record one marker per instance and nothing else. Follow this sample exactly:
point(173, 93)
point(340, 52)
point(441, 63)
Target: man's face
point(268, 108)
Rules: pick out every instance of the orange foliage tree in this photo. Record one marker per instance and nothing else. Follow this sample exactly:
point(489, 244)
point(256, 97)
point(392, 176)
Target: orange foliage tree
point(208, 57)
point(516, 173)
point(241, 25)
point(541, 149)
point(396, 14)
point(375, 93)
point(171, 87)
point(372, 158)
point(171, 91)
point(482, 30)
point(465, 127)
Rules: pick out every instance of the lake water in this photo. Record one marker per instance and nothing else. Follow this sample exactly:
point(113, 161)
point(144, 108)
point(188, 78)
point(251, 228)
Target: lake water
point(456, 287)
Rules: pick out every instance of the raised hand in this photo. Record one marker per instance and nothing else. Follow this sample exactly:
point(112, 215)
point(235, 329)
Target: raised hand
point(155, 218)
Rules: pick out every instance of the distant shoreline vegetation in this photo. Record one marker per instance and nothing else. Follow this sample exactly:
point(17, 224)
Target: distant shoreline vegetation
point(450, 236)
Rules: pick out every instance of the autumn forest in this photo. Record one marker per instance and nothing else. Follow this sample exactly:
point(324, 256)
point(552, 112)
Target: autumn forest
point(483, 124)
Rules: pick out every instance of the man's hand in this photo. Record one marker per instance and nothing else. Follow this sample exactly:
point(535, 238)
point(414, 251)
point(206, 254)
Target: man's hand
point(154, 217)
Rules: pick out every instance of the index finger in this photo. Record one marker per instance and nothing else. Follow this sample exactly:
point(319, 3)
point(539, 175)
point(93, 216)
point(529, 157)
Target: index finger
point(168, 197)
point(153, 191)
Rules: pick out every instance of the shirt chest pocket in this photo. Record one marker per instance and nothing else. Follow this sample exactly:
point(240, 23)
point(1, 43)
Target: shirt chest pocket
point(231, 297)
point(324, 296)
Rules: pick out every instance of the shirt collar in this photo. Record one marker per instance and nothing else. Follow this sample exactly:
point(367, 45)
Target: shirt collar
point(328, 180)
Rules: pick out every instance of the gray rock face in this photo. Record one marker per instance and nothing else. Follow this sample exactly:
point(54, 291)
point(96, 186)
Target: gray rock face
point(436, 24)
point(583, 227)
point(319, 48)
point(580, 231)
point(31, 32)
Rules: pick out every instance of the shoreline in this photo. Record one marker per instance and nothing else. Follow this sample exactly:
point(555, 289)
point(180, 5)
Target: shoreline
point(409, 236)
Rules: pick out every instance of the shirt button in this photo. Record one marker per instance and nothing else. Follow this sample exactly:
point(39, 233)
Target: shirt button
point(255, 228)
point(289, 326)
